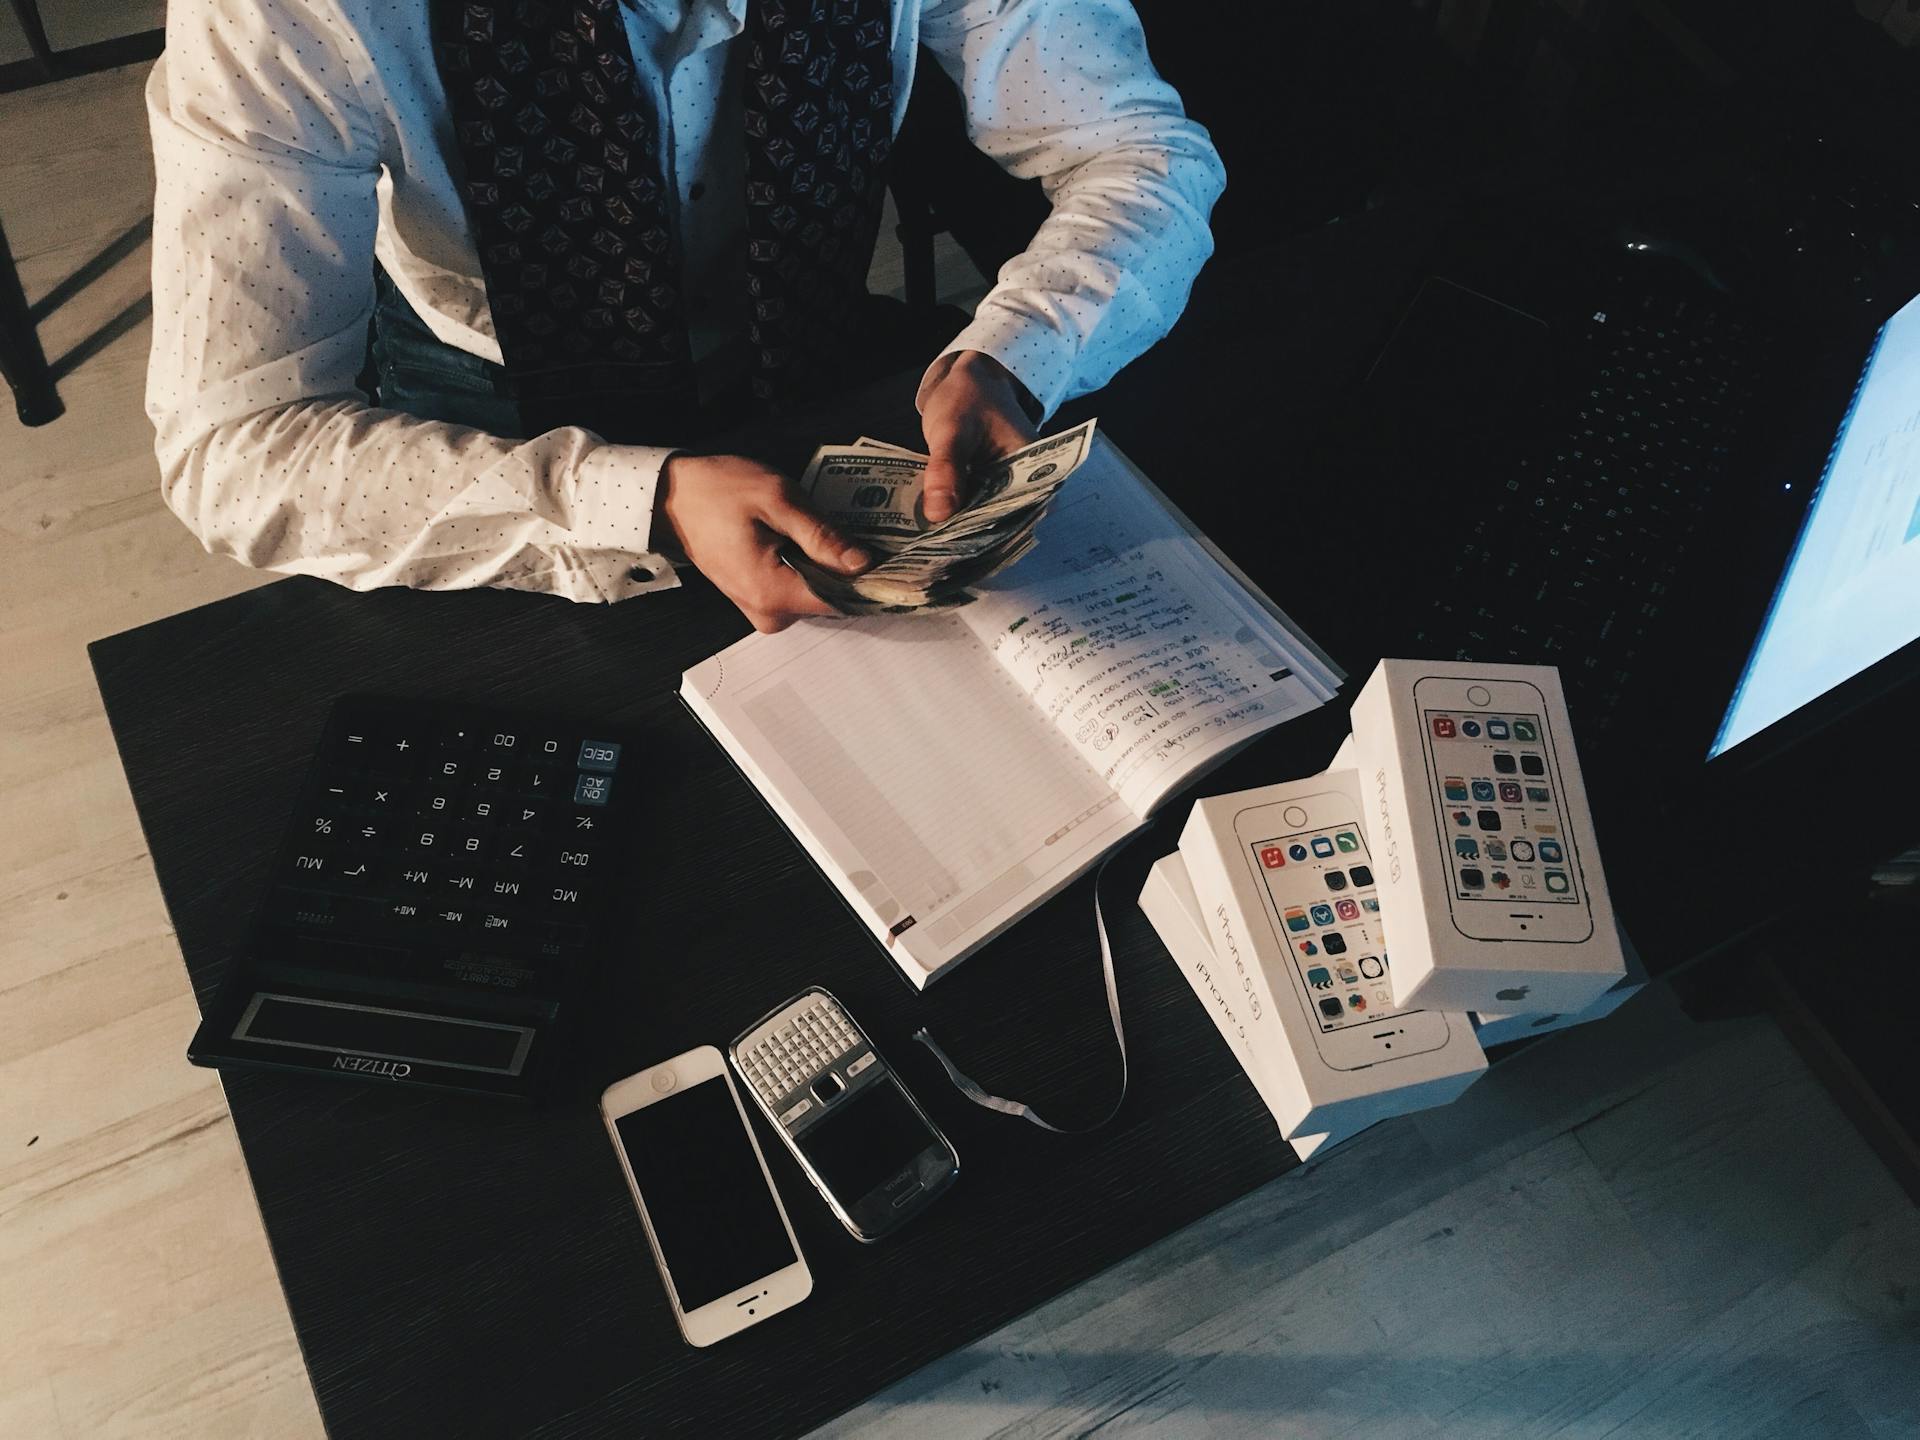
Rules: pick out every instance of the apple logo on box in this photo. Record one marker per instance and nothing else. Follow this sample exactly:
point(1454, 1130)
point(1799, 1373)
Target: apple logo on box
point(1519, 992)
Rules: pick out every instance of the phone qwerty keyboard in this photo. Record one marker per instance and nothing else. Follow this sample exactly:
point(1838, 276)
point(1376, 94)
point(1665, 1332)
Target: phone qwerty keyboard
point(450, 827)
point(801, 1048)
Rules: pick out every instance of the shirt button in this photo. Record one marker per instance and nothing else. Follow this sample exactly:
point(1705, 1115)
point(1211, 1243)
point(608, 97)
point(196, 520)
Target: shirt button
point(696, 190)
point(640, 574)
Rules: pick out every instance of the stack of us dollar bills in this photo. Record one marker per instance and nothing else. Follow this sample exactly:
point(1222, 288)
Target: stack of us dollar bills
point(873, 493)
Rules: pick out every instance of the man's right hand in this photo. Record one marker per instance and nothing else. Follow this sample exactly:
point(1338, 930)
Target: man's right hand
point(731, 515)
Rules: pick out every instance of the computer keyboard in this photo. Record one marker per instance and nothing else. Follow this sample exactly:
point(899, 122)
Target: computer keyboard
point(438, 899)
point(1570, 559)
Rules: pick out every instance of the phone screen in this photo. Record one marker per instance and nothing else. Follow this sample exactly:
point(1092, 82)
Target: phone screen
point(713, 1216)
point(865, 1140)
point(1505, 833)
point(1320, 886)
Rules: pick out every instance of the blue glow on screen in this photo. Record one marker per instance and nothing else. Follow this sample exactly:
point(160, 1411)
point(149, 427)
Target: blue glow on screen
point(1850, 594)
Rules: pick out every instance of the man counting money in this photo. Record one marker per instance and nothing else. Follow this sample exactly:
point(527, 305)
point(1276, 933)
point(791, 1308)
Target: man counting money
point(601, 227)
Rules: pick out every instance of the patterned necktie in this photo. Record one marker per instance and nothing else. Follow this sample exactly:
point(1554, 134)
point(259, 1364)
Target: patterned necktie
point(565, 193)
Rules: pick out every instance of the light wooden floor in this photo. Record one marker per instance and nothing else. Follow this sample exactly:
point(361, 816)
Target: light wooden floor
point(70, 23)
point(1652, 1228)
point(1648, 1229)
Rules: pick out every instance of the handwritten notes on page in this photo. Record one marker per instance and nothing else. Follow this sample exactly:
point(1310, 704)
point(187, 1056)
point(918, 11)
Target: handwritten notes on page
point(1126, 636)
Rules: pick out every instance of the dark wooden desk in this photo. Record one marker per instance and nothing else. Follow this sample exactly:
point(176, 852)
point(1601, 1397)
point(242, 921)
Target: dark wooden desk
point(461, 1267)
point(464, 1267)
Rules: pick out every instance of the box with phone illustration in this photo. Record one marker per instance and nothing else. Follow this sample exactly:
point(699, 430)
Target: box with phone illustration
point(1490, 877)
point(1167, 899)
point(1500, 1027)
point(1285, 889)
point(1496, 1028)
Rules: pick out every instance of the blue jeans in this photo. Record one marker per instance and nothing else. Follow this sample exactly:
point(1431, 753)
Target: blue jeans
point(420, 373)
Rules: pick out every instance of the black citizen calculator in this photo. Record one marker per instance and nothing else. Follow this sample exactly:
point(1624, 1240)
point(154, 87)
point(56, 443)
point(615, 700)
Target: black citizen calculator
point(438, 904)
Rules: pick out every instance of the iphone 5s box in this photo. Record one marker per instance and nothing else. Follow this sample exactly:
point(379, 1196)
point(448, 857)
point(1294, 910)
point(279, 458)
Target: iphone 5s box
point(1283, 883)
point(1167, 899)
point(1497, 1028)
point(1489, 874)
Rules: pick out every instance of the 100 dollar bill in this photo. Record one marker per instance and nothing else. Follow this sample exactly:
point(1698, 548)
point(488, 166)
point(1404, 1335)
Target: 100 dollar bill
point(880, 493)
point(875, 493)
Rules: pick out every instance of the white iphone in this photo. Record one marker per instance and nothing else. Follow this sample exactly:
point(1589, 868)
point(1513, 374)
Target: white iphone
point(713, 1219)
point(1311, 857)
point(1493, 764)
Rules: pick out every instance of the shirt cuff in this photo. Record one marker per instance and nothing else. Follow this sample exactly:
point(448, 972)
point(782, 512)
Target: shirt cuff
point(614, 489)
point(603, 577)
point(1034, 352)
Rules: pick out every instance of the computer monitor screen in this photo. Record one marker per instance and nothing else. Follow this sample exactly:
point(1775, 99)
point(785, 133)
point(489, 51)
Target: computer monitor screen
point(1850, 595)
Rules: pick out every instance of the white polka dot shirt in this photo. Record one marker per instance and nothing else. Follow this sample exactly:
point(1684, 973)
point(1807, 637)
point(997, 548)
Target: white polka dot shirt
point(297, 140)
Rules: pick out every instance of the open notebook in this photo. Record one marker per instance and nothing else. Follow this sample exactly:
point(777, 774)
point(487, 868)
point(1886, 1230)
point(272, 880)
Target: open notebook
point(951, 771)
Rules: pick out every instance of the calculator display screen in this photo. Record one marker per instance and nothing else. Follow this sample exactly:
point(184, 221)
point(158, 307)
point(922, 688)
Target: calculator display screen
point(705, 1193)
point(866, 1139)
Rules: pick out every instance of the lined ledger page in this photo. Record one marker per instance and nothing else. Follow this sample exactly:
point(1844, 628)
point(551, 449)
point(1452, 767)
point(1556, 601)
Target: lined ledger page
point(1125, 633)
point(914, 771)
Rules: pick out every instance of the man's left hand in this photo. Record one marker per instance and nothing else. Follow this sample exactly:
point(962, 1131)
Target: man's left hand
point(970, 415)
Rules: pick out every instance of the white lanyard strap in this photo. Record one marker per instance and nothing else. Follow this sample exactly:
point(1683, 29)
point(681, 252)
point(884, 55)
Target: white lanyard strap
point(973, 1092)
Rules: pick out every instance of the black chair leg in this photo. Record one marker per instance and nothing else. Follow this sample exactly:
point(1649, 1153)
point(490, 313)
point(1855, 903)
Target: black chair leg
point(916, 230)
point(23, 363)
point(27, 12)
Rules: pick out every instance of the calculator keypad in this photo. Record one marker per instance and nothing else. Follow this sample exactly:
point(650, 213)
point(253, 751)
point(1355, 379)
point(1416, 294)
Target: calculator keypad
point(461, 826)
point(798, 1051)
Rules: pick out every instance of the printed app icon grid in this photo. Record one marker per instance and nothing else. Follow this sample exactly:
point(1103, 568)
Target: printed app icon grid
point(1320, 890)
point(1506, 836)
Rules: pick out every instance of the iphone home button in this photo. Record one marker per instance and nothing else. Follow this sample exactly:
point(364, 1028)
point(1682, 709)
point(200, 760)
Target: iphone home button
point(1294, 815)
point(1479, 695)
point(664, 1080)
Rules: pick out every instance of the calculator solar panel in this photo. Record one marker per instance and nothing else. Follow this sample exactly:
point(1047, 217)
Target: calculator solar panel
point(438, 903)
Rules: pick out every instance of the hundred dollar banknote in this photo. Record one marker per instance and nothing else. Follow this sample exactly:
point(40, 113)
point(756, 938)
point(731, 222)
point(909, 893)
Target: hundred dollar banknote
point(875, 493)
